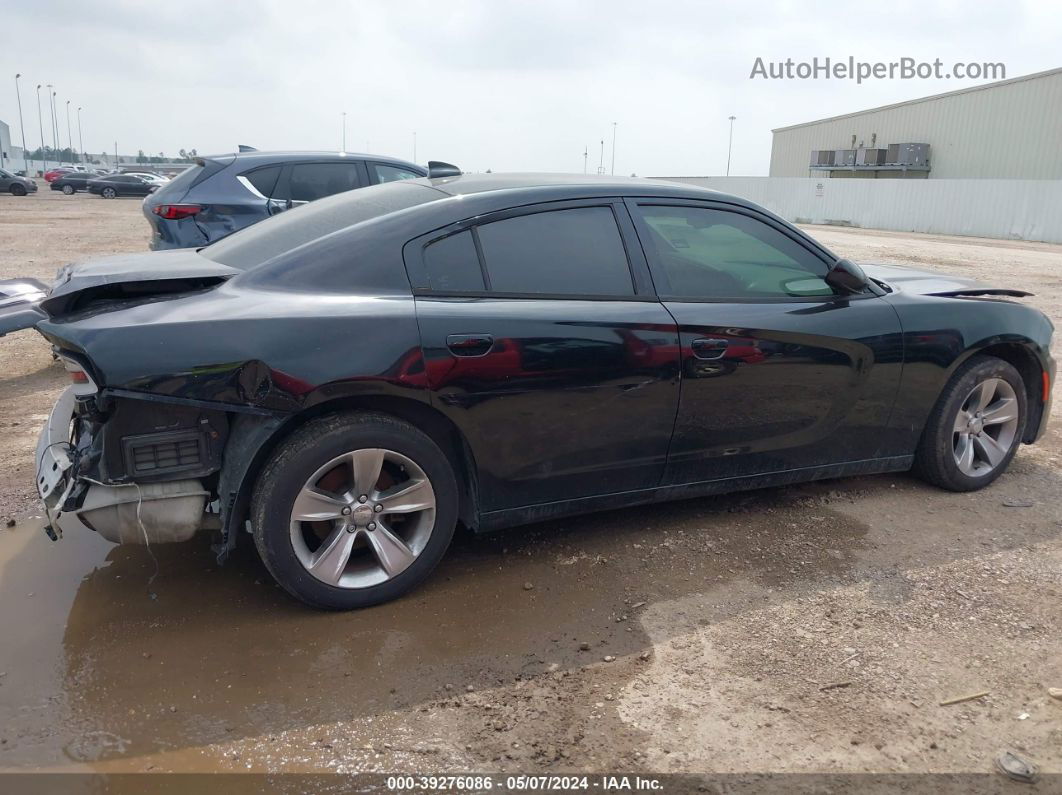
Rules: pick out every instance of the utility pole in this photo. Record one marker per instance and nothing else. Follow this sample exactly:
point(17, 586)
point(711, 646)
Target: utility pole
point(40, 121)
point(730, 146)
point(25, 162)
point(613, 149)
point(80, 138)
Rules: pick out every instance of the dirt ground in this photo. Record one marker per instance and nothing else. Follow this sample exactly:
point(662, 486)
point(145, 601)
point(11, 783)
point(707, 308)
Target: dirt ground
point(815, 628)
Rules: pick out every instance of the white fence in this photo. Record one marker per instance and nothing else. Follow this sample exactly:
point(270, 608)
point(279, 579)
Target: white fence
point(1011, 209)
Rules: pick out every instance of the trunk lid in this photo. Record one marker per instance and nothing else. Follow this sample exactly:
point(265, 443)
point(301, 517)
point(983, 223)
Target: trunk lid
point(122, 278)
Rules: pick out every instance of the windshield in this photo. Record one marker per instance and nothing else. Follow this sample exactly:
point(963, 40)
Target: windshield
point(292, 228)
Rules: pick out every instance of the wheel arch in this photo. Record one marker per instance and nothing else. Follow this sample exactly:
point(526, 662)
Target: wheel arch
point(252, 440)
point(1020, 354)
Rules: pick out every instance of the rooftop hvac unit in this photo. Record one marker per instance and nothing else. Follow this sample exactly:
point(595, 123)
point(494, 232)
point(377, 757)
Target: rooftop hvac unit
point(844, 157)
point(870, 157)
point(908, 155)
point(821, 157)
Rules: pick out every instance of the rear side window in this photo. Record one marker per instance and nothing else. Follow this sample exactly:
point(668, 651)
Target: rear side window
point(452, 264)
point(391, 173)
point(577, 251)
point(309, 182)
point(263, 179)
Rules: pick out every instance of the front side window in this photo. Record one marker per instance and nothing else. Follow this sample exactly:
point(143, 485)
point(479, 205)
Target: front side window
point(312, 181)
point(576, 251)
point(718, 254)
point(392, 173)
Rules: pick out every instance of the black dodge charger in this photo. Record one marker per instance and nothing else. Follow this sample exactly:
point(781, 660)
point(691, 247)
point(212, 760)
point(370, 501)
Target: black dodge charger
point(347, 381)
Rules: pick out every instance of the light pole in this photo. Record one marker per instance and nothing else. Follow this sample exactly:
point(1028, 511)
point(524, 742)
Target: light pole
point(730, 146)
point(25, 162)
point(40, 121)
point(586, 153)
point(51, 109)
point(344, 132)
point(613, 172)
point(69, 138)
point(80, 139)
point(414, 146)
point(601, 159)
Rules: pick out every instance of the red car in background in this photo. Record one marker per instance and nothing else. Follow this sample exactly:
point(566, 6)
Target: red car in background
point(55, 173)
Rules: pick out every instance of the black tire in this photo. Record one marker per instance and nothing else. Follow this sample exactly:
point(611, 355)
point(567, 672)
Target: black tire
point(108, 193)
point(303, 453)
point(69, 190)
point(18, 190)
point(935, 459)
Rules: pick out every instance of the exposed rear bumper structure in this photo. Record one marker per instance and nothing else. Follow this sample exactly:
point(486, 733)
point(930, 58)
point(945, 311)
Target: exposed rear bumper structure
point(128, 513)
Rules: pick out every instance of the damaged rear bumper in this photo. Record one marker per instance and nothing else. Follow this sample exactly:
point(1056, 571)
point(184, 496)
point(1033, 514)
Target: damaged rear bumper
point(138, 513)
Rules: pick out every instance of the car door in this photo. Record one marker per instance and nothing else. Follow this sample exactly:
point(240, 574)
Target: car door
point(778, 372)
point(303, 182)
point(543, 343)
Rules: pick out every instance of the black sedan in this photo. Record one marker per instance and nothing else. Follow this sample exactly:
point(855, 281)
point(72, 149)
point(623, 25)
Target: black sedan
point(113, 185)
point(73, 181)
point(349, 380)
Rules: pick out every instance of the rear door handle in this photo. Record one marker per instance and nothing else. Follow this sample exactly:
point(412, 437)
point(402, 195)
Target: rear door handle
point(470, 344)
point(708, 348)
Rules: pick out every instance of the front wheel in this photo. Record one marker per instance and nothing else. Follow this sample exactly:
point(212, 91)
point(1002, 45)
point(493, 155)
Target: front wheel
point(976, 426)
point(108, 193)
point(69, 190)
point(18, 190)
point(353, 510)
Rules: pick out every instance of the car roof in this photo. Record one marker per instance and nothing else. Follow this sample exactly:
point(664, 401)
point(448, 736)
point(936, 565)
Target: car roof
point(262, 158)
point(547, 186)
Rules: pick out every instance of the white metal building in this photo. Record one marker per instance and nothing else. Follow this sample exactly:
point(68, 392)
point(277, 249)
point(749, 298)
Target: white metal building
point(6, 155)
point(1011, 129)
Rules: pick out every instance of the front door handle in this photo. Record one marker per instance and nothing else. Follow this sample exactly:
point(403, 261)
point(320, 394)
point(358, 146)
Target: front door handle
point(470, 344)
point(708, 348)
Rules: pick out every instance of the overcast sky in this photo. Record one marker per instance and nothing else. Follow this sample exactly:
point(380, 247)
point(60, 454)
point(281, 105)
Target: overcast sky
point(486, 84)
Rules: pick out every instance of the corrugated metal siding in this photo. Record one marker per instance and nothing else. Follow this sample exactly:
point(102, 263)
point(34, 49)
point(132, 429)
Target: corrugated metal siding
point(1001, 208)
point(1011, 131)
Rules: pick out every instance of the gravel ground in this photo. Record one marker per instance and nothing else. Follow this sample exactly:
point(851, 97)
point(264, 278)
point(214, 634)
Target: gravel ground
point(816, 628)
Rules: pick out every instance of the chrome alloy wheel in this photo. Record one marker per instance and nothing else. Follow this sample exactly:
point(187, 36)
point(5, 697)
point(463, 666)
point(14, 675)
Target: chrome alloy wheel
point(362, 518)
point(985, 427)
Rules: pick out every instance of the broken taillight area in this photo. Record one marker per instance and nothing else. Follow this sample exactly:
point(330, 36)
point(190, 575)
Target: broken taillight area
point(175, 212)
point(79, 377)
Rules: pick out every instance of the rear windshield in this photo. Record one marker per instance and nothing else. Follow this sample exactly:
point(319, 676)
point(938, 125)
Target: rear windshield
point(292, 228)
point(175, 189)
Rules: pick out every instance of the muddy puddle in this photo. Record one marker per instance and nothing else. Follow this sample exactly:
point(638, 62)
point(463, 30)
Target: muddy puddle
point(105, 660)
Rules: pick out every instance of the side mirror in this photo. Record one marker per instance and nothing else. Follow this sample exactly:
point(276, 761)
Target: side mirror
point(847, 278)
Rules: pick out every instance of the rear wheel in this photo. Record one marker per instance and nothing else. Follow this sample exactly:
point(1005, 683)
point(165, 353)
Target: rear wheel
point(975, 428)
point(108, 193)
point(353, 510)
point(18, 190)
point(69, 190)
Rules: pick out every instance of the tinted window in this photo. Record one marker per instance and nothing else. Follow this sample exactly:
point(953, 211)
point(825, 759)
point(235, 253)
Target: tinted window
point(264, 179)
point(452, 263)
point(574, 252)
point(273, 236)
point(392, 173)
point(312, 181)
point(708, 253)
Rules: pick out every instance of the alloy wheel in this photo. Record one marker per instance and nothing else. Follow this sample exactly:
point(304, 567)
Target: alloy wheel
point(362, 518)
point(985, 427)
